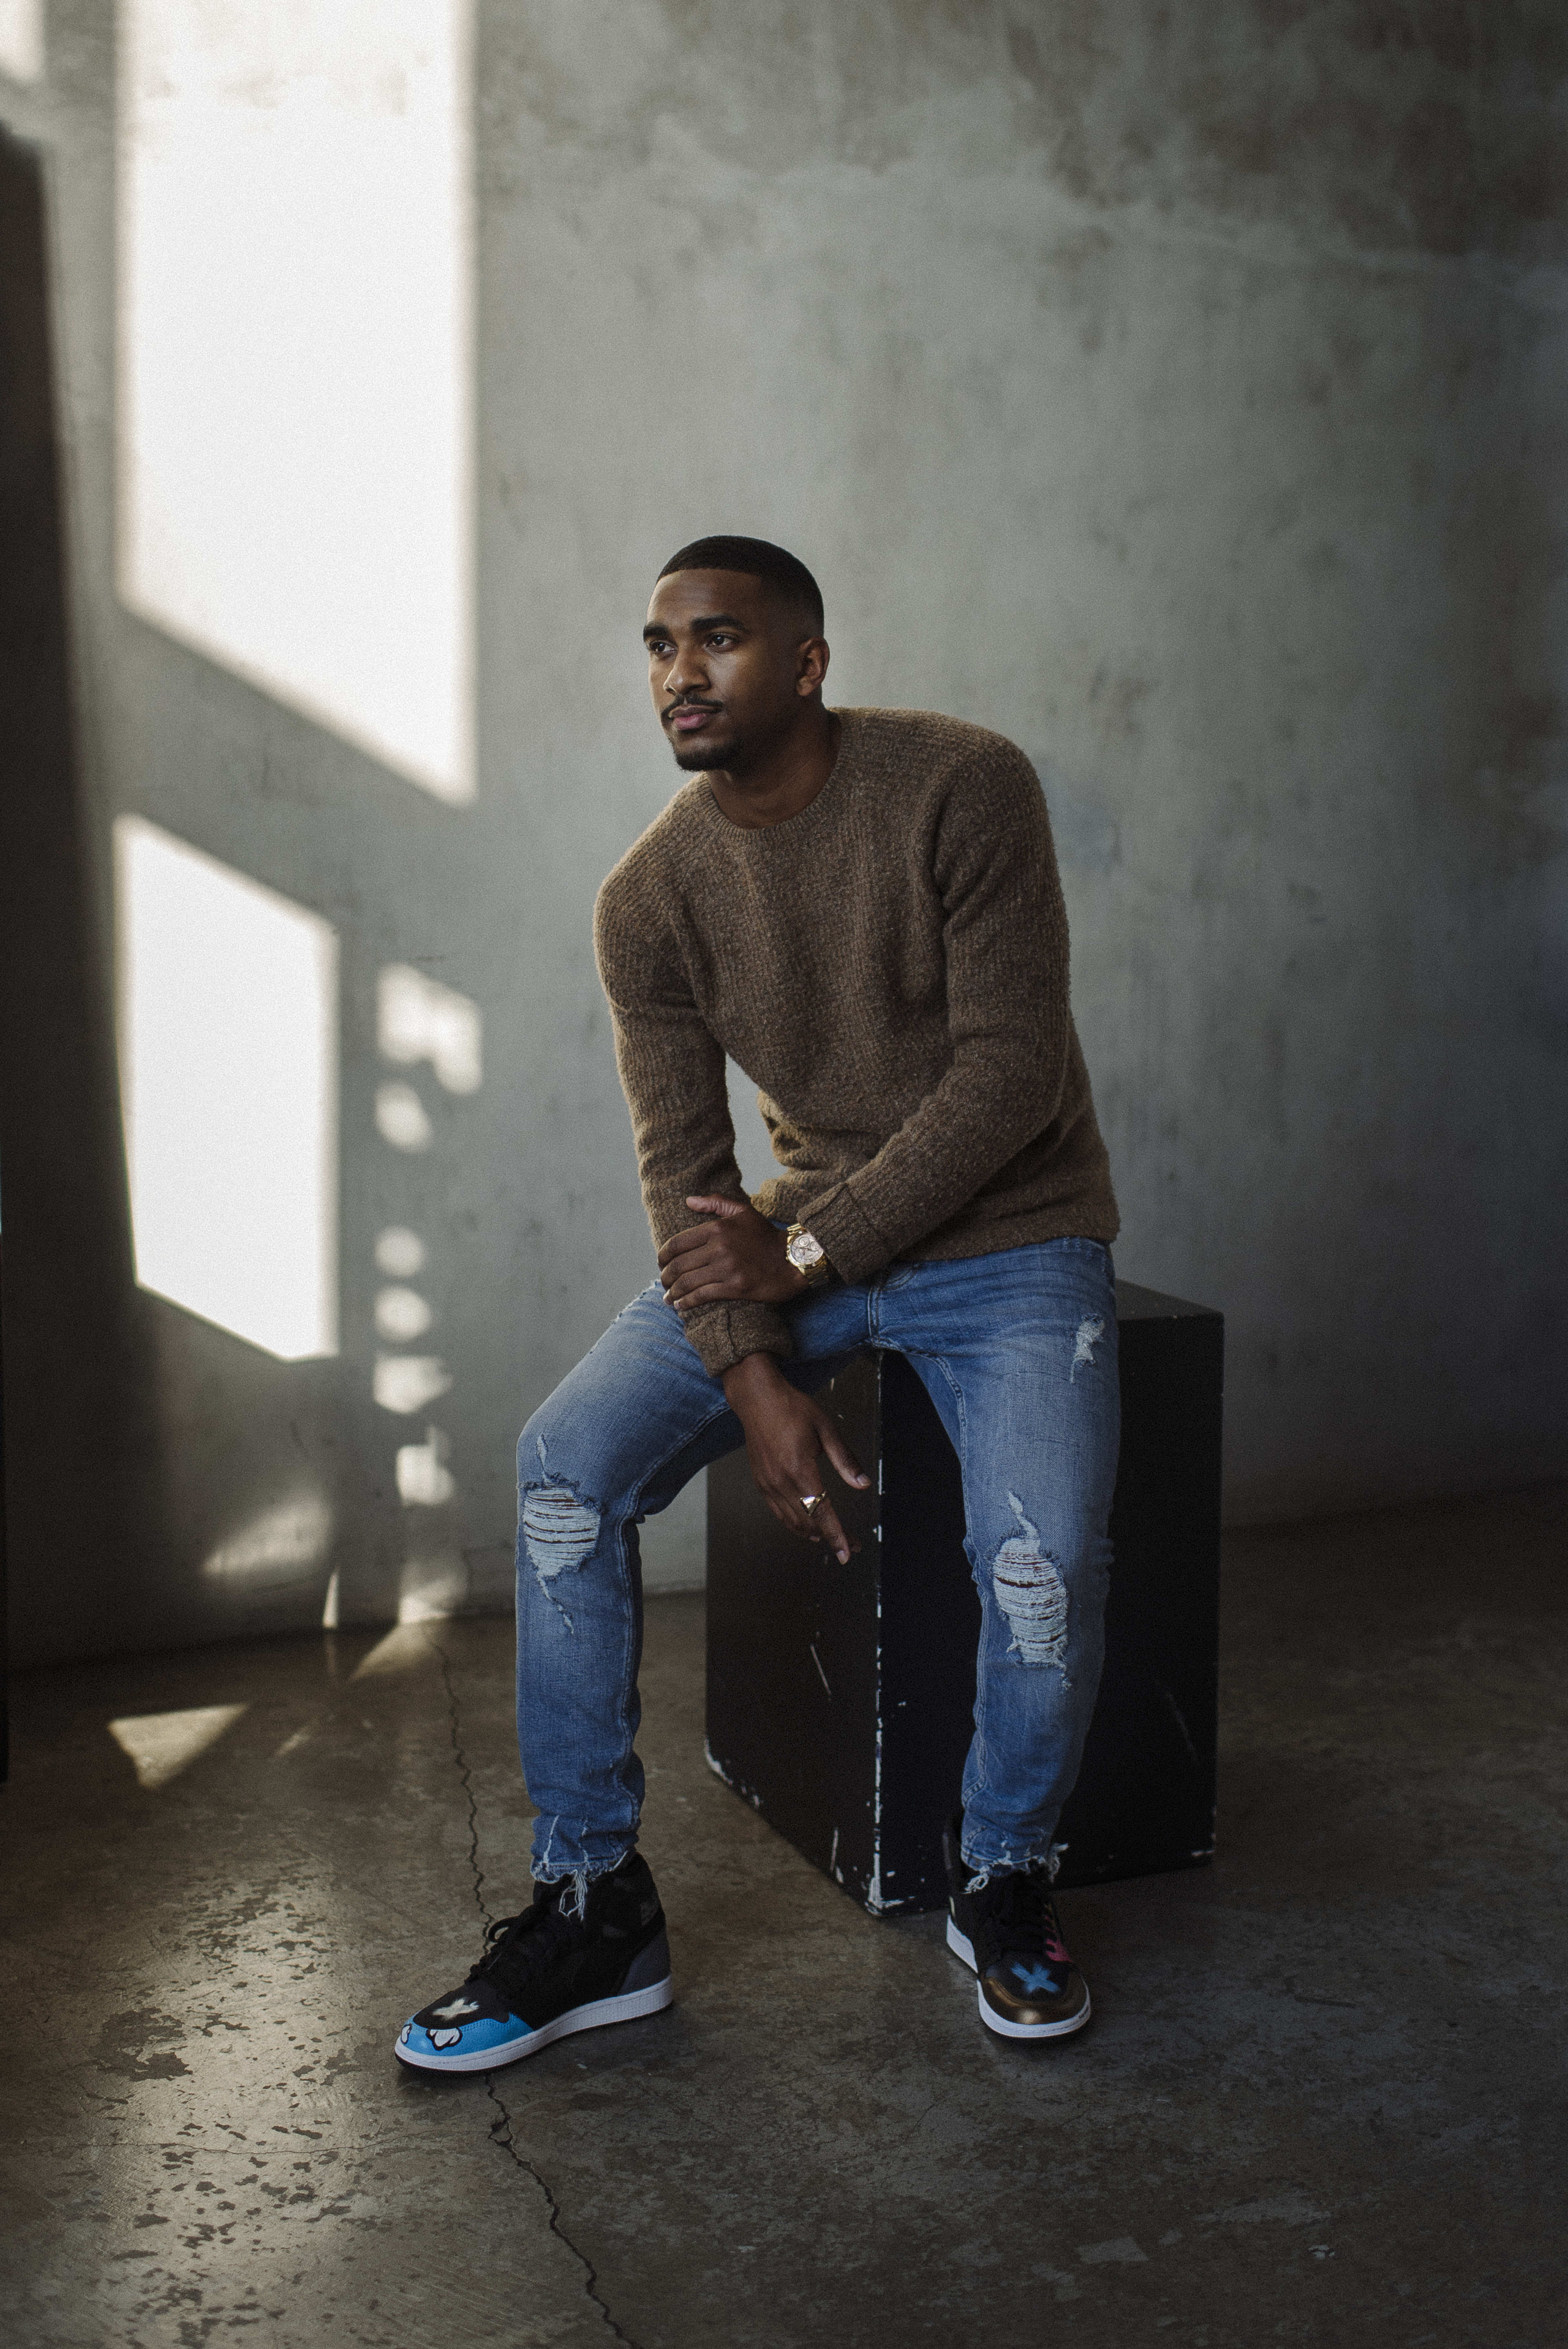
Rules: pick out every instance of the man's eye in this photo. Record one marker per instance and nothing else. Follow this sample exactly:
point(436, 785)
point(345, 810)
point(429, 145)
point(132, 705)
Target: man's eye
point(720, 638)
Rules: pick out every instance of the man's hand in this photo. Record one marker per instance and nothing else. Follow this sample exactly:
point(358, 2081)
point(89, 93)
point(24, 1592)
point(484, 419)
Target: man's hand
point(737, 1253)
point(786, 1435)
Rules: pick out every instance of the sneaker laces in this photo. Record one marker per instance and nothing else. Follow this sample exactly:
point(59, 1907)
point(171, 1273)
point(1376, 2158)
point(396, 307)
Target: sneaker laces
point(518, 1948)
point(1023, 1916)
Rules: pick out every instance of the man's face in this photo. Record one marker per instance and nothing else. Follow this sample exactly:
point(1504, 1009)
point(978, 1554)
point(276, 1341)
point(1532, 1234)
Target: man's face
point(729, 666)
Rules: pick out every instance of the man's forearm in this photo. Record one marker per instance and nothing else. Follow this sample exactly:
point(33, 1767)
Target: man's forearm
point(1009, 1029)
point(987, 1107)
point(751, 1383)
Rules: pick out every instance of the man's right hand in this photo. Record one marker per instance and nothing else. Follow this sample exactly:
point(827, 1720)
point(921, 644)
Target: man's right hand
point(786, 1435)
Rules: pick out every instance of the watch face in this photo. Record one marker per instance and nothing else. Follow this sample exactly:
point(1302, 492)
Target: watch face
point(804, 1251)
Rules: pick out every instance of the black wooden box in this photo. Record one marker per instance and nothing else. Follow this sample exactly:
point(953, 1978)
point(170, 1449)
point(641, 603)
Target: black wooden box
point(838, 1698)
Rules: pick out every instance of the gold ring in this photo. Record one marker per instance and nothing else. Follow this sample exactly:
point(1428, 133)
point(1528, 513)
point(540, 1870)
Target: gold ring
point(809, 1500)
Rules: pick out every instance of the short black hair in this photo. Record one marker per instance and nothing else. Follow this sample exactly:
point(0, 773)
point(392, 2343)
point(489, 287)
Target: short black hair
point(759, 559)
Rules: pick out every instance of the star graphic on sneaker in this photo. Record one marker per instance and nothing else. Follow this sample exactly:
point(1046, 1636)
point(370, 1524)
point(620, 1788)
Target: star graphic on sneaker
point(1037, 1978)
point(454, 2007)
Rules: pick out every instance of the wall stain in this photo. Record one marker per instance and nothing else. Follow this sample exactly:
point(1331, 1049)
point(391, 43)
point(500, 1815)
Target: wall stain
point(1433, 129)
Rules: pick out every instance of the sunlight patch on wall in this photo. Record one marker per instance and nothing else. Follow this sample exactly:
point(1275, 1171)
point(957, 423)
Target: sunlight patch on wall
point(431, 1588)
point(228, 1027)
point(294, 473)
point(406, 1383)
point(399, 1251)
point(161, 1744)
point(21, 38)
point(418, 1018)
point(283, 1546)
point(401, 1316)
point(402, 1118)
point(424, 1479)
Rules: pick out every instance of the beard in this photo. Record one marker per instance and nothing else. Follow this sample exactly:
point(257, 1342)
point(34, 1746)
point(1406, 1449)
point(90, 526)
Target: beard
point(735, 746)
point(713, 750)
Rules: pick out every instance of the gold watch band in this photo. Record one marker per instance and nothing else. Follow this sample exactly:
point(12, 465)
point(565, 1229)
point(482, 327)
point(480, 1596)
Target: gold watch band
point(809, 1261)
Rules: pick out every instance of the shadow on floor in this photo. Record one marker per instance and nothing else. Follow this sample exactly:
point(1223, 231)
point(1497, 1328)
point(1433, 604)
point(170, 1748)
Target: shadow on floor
point(1320, 2103)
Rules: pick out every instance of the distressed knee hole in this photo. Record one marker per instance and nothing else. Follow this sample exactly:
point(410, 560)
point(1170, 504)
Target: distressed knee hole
point(1032, 1595)
point(1091, 1330)
point(559, 1531)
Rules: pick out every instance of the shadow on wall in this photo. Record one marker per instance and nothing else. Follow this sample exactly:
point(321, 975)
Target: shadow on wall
point(292, 507)
point(260, 1375)
point(72, 1328)
point(79, 1332)
point(293, 504)
point(1222, 475)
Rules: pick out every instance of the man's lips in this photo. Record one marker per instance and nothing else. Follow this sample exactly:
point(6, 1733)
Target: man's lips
point(688, 716)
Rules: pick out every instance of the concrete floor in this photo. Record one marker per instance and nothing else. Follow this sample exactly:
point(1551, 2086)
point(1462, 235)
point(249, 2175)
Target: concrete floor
point(1322, 2100)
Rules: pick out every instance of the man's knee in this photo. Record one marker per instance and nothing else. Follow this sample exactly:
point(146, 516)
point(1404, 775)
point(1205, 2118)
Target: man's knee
point(560, 1529)
point(1042, 1582)
point(560, 1513)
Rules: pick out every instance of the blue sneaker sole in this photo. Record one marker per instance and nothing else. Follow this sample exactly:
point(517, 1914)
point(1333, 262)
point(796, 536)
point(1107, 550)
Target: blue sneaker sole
point(599, 2012)
point(962, 1947)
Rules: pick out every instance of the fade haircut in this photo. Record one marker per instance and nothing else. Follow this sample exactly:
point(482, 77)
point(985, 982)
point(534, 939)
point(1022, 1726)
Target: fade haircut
point(758, 558)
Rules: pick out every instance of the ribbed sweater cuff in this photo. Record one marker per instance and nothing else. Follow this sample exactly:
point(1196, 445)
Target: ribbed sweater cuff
point(724, 1335)
point(853, 1246)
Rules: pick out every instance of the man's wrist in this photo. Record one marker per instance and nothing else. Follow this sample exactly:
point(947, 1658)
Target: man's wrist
point(806, 1256)
point(748, 1381)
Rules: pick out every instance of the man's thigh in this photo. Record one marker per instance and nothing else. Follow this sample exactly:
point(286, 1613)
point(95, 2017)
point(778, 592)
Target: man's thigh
point(636, 1400)
point(1020, 1360)
point(1018, 1352)
point(639, 1416)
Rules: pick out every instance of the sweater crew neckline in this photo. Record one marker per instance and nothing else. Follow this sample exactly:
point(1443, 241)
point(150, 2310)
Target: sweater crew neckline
point(792, 827)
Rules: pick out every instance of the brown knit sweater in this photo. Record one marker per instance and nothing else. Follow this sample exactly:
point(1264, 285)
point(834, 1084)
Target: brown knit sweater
point(890, 968)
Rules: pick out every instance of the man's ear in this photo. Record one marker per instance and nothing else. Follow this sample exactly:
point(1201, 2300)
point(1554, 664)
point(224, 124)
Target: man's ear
point(813, 667)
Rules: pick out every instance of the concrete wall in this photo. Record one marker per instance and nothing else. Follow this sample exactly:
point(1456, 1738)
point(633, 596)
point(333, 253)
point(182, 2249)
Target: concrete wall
point(1177, 390)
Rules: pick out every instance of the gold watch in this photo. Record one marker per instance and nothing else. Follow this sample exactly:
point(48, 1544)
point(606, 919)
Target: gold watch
point(807, 1256)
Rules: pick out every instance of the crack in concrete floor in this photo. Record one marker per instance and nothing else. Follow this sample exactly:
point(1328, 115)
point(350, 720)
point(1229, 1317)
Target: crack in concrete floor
point(502, 2132)
point(808, 2149)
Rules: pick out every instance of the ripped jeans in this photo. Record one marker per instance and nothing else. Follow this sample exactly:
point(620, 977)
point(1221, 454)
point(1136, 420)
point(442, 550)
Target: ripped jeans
point(1017, 1351)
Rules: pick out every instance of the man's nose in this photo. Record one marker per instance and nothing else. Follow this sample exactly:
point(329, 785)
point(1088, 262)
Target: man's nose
point(685, 673)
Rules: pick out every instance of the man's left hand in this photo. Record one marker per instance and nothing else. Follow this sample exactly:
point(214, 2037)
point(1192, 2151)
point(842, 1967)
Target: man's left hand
point(736, 1252)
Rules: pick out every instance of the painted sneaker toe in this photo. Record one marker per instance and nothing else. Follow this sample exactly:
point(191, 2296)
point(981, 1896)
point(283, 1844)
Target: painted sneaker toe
point(1033, 1997)
point(461, 2032)
point(449, 2044)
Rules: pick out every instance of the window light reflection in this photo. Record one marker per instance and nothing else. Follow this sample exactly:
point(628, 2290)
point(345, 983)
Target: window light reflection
point(401, 1316)
point(399, 1252)
point(418, 1018)
point(283, 1546)
point(228, 1020)
point(424, 1480)
point(295, 357)
point(160, 1745)
point(22, 39)
point(406, 1383)
point(402, 1118)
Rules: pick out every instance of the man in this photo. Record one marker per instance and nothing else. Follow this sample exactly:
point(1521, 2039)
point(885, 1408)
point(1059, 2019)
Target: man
point(861, 907)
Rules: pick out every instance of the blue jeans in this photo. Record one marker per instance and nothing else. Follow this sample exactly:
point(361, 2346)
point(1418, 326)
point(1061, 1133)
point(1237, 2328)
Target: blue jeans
point(1017, 1351)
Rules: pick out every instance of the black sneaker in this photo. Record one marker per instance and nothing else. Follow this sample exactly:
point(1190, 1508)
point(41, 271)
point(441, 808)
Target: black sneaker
point(544, 1974)
point(1008, 1934)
